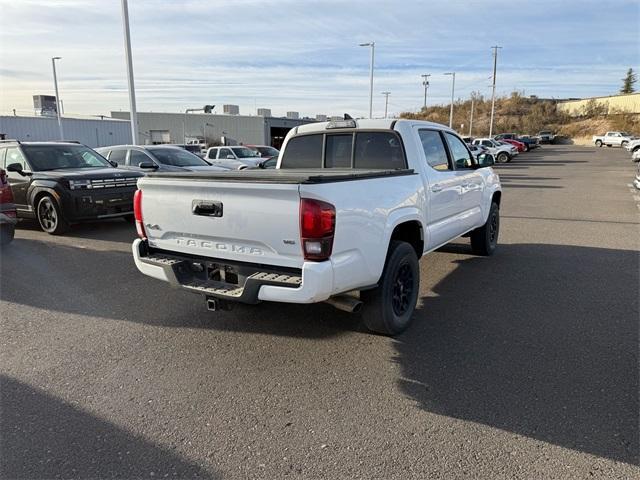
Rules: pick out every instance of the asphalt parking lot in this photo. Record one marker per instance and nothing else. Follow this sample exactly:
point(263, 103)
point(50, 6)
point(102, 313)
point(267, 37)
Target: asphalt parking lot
point(523, 365)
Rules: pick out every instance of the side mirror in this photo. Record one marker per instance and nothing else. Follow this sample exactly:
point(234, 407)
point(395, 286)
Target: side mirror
point(230, 157)
point(486, 160)
point(17, 167)
point(148, 165)
point(113, 164)
point(14, 167)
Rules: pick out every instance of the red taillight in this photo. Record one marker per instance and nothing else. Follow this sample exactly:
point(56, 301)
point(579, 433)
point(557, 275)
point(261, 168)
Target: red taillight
point(6, 195)
point(137, 213)
point(317, 228)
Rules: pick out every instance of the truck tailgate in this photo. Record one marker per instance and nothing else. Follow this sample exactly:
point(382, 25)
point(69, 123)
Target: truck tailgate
point(246, 222)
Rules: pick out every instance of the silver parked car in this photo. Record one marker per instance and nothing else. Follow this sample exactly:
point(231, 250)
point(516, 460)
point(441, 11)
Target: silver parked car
point(162, 158)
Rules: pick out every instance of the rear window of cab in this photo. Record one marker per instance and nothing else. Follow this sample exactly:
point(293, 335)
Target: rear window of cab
point(374, 150)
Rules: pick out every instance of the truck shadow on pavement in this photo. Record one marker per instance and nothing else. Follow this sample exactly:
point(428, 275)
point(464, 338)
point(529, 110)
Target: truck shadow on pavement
point(539, 340)
point(44, 437)
point(106, 284)
point(114, 230)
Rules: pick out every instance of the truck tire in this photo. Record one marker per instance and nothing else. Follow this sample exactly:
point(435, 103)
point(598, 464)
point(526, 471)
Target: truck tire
point(598, 143)
point(624, 144)
point(484, 240)
point(388, 309)
point(503, 157)
point(50, 216)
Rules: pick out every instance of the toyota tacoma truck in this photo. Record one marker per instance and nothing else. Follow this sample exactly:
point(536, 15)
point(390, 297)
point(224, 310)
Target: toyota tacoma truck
point(343, 219)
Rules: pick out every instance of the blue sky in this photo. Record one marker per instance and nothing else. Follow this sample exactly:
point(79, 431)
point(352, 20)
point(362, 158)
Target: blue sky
point(303, 55)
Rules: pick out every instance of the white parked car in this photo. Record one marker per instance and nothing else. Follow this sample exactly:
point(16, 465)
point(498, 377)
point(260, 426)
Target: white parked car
point(501, 152)
point(633, 146)
point(233, 157)
point(613, 139)
point(344, 219)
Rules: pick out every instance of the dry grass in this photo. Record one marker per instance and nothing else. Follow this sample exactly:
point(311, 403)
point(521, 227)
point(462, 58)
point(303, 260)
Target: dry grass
point(524, 115)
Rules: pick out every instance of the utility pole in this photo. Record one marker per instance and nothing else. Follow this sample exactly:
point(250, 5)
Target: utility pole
point(373, 47)
point(55, 84)
point(425, 82)
point(386, 102)
point(471, 119)
point(453, 88)
point(133, 115)
point(493, 88)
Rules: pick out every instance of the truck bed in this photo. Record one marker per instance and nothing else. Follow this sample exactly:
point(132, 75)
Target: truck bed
point(292, 176)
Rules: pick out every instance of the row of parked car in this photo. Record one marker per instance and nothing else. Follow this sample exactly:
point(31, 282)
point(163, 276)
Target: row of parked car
point(504, 147)
point(172, 158)
point(60, 183)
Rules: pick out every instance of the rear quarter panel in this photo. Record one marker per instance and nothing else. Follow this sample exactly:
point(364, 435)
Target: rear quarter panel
point(366, 213)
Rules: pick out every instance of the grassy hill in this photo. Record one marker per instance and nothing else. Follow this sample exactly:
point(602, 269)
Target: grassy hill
point(525, 115)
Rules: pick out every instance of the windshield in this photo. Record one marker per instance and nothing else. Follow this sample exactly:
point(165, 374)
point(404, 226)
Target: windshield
point(244, 152)
point(177, 157)
point(268, 151)
point(55, 157)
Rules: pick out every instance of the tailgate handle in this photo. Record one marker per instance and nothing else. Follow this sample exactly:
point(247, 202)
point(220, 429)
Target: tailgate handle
point(206, 208)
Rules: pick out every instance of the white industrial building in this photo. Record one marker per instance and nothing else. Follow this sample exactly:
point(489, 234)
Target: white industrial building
point(93, 132)
point(158, 127)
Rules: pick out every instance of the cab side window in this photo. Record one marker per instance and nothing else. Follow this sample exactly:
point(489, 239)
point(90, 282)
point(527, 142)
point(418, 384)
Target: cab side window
point(459, 152)
point(118, 156)
point(15, 156)
point(225, 152)
point(136, 158)
point(434, 150)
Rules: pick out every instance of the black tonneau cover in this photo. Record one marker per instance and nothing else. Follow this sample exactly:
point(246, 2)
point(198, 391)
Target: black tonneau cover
point(303, 176)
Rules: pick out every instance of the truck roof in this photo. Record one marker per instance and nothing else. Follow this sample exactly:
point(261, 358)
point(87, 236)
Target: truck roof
point(373, 124)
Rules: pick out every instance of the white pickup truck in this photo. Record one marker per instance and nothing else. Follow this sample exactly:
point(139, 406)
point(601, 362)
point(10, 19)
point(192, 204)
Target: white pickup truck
point(613, 139)
point(344, 218)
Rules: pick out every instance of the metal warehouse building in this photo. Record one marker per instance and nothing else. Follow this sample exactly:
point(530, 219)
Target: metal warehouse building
point(94, 132)
point(157, 127)
point(612, 104)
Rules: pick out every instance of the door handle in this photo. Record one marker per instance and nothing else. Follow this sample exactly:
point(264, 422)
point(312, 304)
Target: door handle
point(206, 209)
point(436, 188)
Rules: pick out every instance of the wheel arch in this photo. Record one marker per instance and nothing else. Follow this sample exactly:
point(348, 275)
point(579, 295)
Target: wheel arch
point(407, 226)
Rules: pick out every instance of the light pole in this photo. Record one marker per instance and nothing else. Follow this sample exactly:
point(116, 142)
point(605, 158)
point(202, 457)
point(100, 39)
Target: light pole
point(425, 82)
point(386, 102)
point(471, 119)
point(132, 90)
point(55, 84)
point(453, 88)
point(373, 48)
point(493, 88)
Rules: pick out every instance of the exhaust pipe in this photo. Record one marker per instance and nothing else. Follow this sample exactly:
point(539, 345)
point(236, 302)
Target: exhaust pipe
point(345, 303)
point(216, 304)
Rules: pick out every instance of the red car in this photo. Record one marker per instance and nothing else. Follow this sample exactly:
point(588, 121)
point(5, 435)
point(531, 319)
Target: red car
point(519, 145)
point(7, 210)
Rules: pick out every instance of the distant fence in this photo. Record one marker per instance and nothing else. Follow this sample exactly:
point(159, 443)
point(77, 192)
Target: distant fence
point(601, 105)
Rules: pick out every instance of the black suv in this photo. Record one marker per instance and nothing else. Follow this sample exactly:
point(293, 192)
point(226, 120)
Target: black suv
point(60, 183)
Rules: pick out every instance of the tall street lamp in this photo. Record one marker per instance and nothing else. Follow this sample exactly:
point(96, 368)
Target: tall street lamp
point(373, 48)
point(133, 116)
point(453, 88)
point(55, 84)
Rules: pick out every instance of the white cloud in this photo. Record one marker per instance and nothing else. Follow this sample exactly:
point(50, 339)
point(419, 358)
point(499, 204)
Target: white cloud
point(303, 55)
